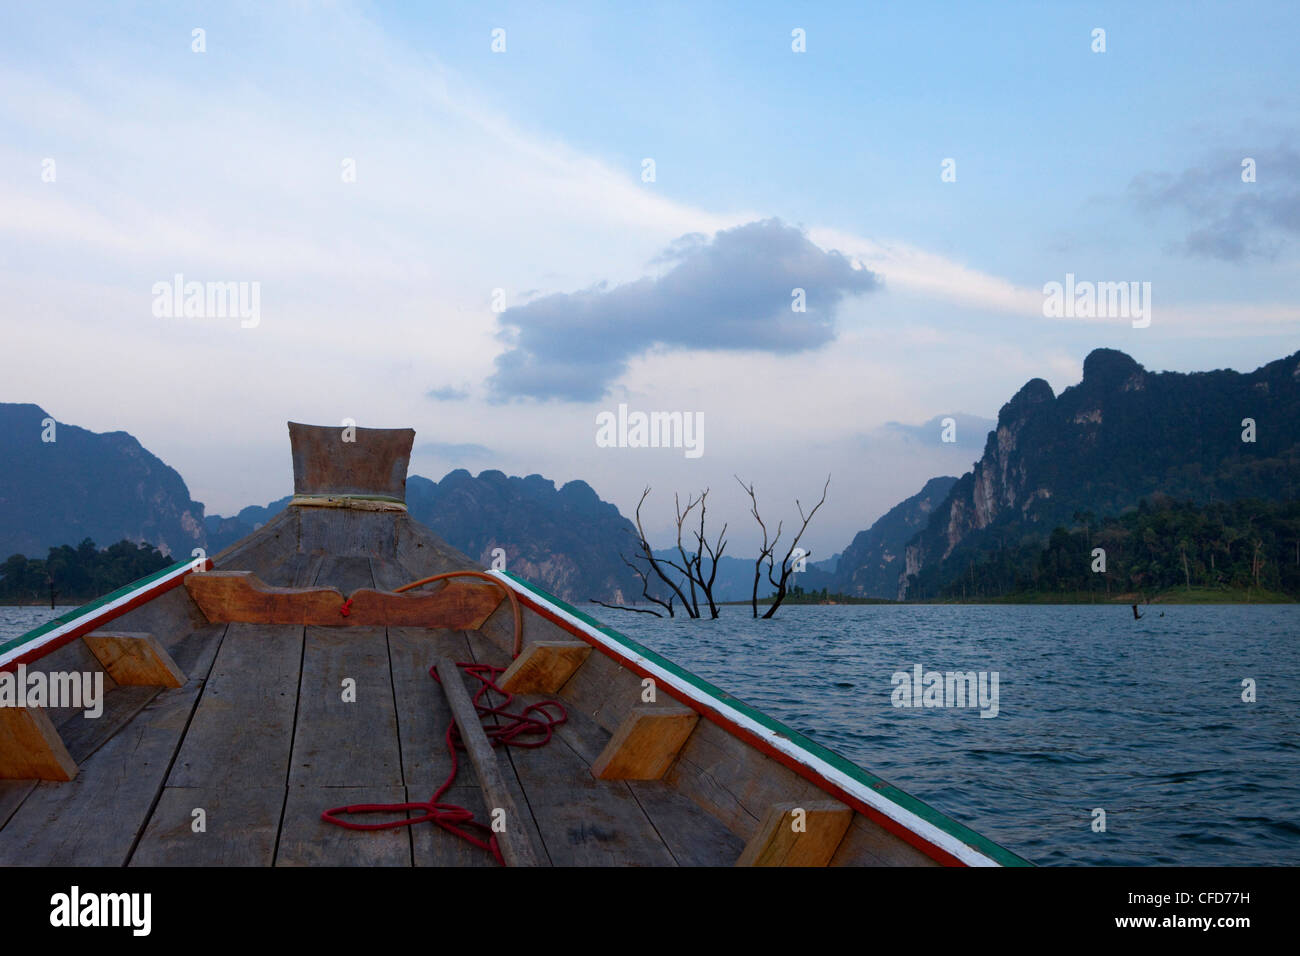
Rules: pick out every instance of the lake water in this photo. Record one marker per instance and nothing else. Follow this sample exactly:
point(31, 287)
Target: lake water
point(16, 621)
point(1142, 719)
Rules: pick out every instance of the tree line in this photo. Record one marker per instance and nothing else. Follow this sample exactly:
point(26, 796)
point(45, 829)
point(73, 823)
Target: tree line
point(77, 574)
point(1162, 544)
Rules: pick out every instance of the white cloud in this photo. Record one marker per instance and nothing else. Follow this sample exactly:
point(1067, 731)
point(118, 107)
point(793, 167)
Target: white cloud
point(376, 291)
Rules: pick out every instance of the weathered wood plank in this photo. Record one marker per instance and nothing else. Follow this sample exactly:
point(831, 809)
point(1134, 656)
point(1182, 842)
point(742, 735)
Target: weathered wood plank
point(730, 780)
point(100, 814)
point(346, 736)
point(543, 667)
point(868, 844)
point(71, 658)
point(233, 762)
point(733, 781)
point(343, 570)
point(342, 532)
point(456, 604)
point(422, 710)
point(422, 552)
point(792, 834)
point(94, 819)
point(195, 651)
point(83, 737)
point(424, 751)
point(434, 846)
point(422, 716)
point(694, 837)
point(236, 830)
point(516, 846)
point(483, 651)
point(307, 840)
point(12, 795)
point(241, 734)
point(646, 743)
point(239, 596)
point(31, 748)
point(390, 574)
point(499, 628)
point(169, 617)
point(134, 658)
point(604, 690)
point(582, 821)
point(354, 461)
point(299, 570)
point(266, 547)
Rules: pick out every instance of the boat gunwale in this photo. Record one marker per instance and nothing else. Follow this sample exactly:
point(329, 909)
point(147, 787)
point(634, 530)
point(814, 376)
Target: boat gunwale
point(941, 837)
point(48, 637)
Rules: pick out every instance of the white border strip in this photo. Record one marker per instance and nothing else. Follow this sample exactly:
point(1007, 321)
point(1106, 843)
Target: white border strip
point(24, 649)
point(900, 815)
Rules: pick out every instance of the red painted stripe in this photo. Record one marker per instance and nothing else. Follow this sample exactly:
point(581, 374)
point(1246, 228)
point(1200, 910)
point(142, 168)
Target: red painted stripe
point(936, 853)
point(94, 621)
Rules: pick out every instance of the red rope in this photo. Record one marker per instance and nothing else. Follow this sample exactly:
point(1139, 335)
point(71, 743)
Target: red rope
point(521, 729)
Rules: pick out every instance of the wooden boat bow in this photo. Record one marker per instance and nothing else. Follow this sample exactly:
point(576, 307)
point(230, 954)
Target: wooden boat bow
point(287, 706)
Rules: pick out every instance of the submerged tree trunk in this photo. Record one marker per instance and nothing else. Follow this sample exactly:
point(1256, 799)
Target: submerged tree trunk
point(768, 550)
point(688, 581)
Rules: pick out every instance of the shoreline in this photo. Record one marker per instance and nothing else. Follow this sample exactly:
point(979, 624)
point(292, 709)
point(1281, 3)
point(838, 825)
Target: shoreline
point(1180, 596)
point(1173, 596)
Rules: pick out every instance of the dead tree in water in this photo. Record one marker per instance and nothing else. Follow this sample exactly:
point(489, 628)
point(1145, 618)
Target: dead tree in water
point(768, 551)
point(691, 582)
point(645, 593)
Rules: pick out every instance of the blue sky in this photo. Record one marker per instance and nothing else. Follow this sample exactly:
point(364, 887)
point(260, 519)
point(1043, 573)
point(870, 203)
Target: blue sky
point(521, 171)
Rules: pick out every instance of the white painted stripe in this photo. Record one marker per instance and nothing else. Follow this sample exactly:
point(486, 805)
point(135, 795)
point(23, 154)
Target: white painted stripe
point(901, 815)
point(99, 612)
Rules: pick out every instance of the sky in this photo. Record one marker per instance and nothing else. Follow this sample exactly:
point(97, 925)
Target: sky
point(616, 206)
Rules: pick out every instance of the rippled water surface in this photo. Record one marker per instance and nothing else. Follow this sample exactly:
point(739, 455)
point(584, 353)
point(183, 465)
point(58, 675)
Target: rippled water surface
point(16, 621)
point(1143, 719)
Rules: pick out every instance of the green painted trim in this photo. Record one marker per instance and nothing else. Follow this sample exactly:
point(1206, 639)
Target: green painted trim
point(89, 608)
point(905, 800)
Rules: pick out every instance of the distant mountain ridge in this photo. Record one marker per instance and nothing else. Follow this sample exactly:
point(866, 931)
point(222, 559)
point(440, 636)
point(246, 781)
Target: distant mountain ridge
point(85, 484)
point(1100, 447)
point(566, 539)
point(1119, 436)
point(870, 565)
point(109, 488)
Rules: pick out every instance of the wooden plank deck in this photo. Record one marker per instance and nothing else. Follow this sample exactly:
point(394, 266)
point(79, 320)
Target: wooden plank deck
point(96, 819)
point(236, 767)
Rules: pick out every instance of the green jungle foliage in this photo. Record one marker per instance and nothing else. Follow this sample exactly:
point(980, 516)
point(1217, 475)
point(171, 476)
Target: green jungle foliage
point(1158, 546)
point(79, 574)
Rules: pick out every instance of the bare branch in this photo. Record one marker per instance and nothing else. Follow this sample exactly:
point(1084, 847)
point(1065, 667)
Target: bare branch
point(624, 607)
point(654, 562)
point(787, 566)
point(765, 553)
point(645, 586)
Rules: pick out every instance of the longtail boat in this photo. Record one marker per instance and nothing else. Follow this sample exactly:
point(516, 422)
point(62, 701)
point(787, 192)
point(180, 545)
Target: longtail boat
point(341, 687)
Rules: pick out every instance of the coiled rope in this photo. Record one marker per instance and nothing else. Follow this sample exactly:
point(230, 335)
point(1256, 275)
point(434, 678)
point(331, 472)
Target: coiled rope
point(531, 727)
